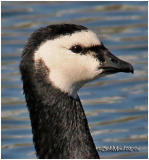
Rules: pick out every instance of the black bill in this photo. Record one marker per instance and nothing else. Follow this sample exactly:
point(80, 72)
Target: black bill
point(111, 64)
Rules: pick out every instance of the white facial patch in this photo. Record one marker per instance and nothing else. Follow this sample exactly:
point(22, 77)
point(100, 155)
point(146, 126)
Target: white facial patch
point(68, 70)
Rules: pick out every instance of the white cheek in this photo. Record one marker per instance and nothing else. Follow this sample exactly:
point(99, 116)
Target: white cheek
point(73, 71)
point(69, 71)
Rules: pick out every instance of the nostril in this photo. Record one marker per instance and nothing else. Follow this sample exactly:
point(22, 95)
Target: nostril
point(114, 60)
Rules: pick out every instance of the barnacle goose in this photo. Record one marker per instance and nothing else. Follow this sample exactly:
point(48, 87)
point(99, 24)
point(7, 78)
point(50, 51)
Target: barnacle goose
point(56, 62)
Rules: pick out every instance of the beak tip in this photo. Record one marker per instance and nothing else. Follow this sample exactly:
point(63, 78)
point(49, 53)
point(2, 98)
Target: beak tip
point(131, 69)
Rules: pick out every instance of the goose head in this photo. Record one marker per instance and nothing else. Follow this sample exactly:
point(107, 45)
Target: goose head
point(73, 55)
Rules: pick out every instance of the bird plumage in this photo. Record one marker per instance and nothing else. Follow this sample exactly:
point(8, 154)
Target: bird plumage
point(56, 62)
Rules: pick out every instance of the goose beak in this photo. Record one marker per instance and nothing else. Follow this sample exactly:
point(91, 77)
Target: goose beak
point(111, 64)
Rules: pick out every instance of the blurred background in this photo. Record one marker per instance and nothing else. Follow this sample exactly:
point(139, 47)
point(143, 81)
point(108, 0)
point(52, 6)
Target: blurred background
point(116, 105)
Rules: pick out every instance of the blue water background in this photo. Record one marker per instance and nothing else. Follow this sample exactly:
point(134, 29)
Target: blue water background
point(116, 106)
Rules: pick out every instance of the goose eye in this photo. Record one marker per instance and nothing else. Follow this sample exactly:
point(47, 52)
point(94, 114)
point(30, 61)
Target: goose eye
point(76, 49)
